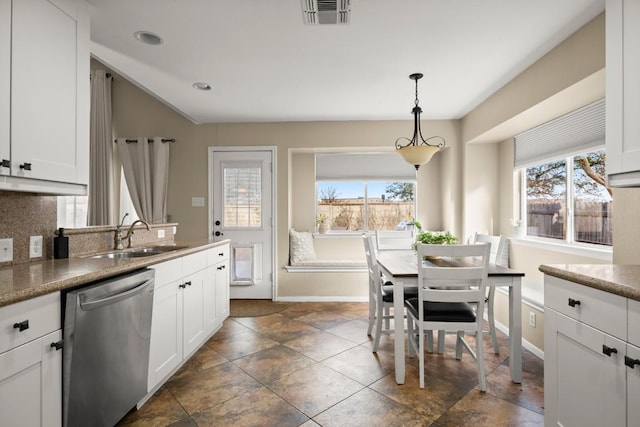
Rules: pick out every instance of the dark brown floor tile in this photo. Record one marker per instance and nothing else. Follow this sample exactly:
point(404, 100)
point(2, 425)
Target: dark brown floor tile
point(361, 364)
point(310, 423)
point(529, 394)
point(261, 322)
point(161, 409)
point(319, 345)
point(241, 344)
point(438, 395)
point(368, 408)
point(324, 319)
point(273, 363)
point(229, 327)
point(353, 330)
point(303, 308)
point(315, 389)
point(287, 329)
point(483, 409)
point(259, 407)
point(204, 358)
point(531, 363)
point(198, 391)
point(186, 422)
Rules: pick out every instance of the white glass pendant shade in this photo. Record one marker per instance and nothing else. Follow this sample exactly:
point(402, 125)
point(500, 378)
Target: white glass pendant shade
point(417, 155)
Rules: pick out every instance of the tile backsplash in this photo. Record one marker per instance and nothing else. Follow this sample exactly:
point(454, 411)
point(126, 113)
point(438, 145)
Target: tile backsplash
point(26, 214)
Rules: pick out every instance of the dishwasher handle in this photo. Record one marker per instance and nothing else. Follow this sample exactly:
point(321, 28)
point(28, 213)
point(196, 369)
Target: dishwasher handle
point(114, 298)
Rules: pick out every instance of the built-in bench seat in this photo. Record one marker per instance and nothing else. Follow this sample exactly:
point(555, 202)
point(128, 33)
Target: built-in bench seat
point(302, 257)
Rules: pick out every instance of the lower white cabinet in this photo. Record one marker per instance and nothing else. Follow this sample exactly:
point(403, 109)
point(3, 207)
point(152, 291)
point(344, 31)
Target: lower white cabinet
point(587, 381)
point(31, 372)
point(186, 310)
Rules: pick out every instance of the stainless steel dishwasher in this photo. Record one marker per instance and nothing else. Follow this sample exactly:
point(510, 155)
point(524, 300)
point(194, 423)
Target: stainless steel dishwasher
point(107, 328)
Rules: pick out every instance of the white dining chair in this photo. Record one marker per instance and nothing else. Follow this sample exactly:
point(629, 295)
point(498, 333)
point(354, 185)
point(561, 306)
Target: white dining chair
point(449, 298)
point(380, 295)
point(394, 240)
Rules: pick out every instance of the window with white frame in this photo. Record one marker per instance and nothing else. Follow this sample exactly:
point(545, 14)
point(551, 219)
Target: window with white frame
point(564, 192)
point(358, 192)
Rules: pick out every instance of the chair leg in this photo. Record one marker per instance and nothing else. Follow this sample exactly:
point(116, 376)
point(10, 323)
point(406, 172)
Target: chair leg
point(421, 354)
point(411, 337)
point(387, 320)
point(372, 313)
point(379, 311)
point(429, 335)
point(459, 344)
point(480, 361)
point(441, 335)
point(492, 320)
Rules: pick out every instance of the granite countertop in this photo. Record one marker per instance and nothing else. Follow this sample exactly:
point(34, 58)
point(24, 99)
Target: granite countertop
point(25, 281)
point(623, 280)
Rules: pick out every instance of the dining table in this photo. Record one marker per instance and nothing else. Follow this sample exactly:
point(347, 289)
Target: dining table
point(401, 268)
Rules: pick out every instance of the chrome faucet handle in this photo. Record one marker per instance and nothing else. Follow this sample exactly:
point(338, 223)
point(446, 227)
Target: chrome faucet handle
point(122, 222)
point(117, 238)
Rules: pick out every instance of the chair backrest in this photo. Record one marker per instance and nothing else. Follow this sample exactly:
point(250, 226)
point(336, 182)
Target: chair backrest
point(499, 247)
point(438, 281)
point(372, 263)
point(394, 240)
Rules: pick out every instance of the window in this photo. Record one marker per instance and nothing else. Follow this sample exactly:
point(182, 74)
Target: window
point(567, 199)
point(365, 205)
point(364, 191)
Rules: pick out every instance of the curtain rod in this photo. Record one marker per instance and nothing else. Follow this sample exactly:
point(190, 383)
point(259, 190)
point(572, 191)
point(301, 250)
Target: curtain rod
point(132, 141)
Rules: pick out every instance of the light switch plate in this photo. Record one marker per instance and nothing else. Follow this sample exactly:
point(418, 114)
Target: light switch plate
point(160, 234)
point(6, 250)
point(197, 202)
point(35, 246)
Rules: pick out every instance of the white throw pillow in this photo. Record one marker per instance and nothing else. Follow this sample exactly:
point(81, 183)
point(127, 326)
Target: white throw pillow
point(300, 246)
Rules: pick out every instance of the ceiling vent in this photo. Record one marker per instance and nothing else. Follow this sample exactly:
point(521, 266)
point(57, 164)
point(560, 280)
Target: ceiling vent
point(322, 12)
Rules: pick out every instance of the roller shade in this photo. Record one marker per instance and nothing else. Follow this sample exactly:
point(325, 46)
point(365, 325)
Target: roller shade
point(363, 167)
point(573, 133)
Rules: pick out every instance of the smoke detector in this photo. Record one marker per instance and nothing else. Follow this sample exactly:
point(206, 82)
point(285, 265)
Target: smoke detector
point(323, 12)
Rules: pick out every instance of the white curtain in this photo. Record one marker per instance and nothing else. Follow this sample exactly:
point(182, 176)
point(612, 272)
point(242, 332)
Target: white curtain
point(101, 203)
point(146, 170)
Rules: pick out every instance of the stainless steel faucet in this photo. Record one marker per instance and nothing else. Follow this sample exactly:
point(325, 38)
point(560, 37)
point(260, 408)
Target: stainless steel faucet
point(117, 241)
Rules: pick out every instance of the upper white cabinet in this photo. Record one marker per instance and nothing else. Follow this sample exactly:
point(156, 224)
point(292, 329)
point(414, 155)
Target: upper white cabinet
point(49, 102)
point(623, 92)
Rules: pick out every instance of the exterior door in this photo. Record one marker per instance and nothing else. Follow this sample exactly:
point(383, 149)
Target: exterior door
point(241, 183)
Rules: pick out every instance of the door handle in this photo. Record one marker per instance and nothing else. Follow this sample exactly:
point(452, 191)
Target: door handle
point(217, 233)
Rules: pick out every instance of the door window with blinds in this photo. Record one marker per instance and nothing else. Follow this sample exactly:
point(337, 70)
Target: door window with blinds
point(242, 196)
point(358, 192)
point(565, 196)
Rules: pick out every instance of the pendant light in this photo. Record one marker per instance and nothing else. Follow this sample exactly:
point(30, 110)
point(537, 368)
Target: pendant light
point(418, 150)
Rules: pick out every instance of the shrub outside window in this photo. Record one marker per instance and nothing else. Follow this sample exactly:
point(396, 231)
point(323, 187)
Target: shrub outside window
point(567, 199)
point(355, 206)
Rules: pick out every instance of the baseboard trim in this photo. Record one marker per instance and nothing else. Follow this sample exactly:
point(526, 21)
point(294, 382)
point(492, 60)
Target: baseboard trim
point(322, 299)
point(526, 344)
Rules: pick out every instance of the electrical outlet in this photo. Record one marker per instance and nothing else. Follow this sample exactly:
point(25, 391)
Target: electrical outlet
point(6, 250)
point(160, 234)
point(532, 319)
point(35, 246)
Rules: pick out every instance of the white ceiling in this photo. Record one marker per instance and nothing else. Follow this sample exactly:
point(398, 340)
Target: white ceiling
point(265, 65)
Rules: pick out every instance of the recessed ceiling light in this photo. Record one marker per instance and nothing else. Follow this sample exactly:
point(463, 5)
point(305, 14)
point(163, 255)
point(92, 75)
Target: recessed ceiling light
point(148, 38)
point(202, 86)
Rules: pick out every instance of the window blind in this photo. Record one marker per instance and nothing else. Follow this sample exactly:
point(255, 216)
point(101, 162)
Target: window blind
point(363, 167)
point(573, 133)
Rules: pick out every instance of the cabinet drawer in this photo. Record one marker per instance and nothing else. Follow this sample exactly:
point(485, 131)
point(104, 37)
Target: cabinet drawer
point(167, 272)
point(634, 322)
point(602, 310)
point(194, 262)
point(42, 315)
point(220, 253)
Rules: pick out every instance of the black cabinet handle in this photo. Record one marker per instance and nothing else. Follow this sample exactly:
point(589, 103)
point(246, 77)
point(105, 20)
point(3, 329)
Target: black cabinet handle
point(608, 350)
point(26, 166)
point(222, 267)
point(5, 163)
point(188, 283)
point(57, 345)
point(573, 302)
point(22, 326)
point(631, 362)
point(182, 286)
point(221, 254)
point(217, 233)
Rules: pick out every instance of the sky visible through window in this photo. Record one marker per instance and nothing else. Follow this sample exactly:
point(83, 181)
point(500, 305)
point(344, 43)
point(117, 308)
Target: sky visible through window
point(352, 190)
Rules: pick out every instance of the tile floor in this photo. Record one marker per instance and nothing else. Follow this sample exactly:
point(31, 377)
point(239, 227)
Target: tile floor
point(312, 364)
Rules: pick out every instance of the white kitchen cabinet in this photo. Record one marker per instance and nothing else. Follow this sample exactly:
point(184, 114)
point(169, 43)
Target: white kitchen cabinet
point(588, 380)
point(31, 369)
point(5, 85)
point(49, 102)
point(623, 92)
point(177, 321)
point(218, 292)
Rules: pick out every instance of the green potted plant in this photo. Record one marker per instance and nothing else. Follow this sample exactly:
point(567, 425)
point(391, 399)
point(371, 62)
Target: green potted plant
point(322, 224)
point(435, 238)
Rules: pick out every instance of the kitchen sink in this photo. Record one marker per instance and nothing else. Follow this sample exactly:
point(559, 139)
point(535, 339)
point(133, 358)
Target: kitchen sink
point(138, 252)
